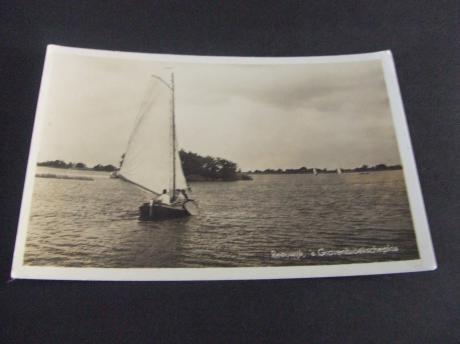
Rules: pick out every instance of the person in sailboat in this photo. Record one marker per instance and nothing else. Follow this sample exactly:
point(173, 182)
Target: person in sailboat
point(163, 198)
point(181, 196)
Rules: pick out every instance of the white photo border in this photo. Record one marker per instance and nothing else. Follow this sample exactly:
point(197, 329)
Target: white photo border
point(426, 259)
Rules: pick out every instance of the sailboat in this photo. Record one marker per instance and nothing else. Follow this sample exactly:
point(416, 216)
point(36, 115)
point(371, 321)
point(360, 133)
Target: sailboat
point(339, 171)
point(315, 172)
point(152, 160)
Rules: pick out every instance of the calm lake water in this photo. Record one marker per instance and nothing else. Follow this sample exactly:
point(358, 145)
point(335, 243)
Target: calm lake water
point(273, 220)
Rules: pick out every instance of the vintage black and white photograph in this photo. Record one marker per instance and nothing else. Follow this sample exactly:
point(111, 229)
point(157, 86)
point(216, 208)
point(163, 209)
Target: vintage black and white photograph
point(163, 167)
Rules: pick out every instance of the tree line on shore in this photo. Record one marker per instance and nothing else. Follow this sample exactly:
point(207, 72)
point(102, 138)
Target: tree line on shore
point(306, 170)
point(207, 168)
point(195, 167)
point(77, 166)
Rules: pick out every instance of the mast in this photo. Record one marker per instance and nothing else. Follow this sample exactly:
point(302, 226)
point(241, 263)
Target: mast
point(173, 197)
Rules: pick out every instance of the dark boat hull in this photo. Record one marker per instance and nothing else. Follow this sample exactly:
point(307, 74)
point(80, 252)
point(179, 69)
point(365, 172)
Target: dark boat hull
point(161, 212)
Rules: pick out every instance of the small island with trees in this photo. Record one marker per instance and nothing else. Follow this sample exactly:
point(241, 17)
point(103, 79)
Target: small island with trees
point(208, 168)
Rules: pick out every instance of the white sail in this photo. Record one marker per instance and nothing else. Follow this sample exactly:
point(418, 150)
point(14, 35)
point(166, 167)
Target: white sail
point(148, 161)
point(339, 171)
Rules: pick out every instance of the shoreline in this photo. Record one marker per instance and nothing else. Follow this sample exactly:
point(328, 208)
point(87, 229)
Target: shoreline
point(323, 173)
point(63, 176)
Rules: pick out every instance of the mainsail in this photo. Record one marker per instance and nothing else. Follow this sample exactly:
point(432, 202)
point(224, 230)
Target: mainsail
point(149, 160)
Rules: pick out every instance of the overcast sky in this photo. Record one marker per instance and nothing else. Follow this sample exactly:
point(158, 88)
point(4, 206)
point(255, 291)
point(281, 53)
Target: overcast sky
point(259, 116)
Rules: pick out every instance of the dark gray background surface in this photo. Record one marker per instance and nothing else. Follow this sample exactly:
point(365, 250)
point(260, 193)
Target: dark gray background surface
point(405, 308)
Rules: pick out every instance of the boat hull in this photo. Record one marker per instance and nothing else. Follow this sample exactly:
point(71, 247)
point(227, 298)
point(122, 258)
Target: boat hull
point(161, 212)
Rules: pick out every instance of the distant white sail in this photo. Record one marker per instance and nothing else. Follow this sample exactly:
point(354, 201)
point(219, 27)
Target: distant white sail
point(339, 171)
point(148, 161)
point(315, 172)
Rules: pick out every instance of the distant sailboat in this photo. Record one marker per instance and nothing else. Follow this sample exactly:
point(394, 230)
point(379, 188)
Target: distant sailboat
point(339, 171)
point(152, 160)
point(315, 172)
